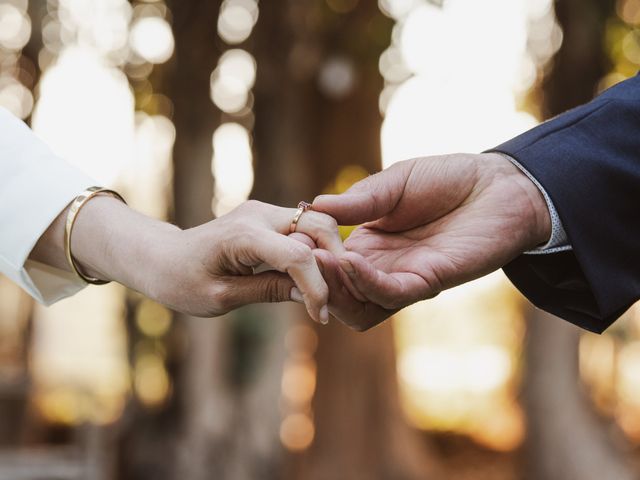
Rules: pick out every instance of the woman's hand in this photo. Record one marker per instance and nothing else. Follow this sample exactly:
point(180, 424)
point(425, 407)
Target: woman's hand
point(206, 270)
point(212, 265)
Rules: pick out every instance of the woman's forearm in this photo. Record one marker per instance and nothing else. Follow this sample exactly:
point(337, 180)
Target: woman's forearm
point(110, 241)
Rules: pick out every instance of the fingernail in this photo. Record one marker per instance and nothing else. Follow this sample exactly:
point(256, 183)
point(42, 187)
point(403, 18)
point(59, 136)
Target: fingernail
point(347, 267)
point(324, 315)
point(296, 296)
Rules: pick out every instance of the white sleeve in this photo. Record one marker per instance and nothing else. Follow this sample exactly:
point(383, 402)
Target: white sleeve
point(558, 242)
point(35, 186)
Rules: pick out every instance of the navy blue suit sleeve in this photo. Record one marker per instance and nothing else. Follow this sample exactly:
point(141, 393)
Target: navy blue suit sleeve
point(588, 161)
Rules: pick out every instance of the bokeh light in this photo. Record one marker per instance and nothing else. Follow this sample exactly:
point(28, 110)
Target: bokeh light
point(232, 166)
point(152, 39)
point(153, 319)
point(232, 80)
point(297, 432)
point(15, 27)
point(15, 97)
point(150, 380)
point(299, 382)
point(237, 19)
point(337, 77)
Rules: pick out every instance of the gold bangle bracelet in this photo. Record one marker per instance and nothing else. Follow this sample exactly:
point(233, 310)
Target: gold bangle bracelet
point(79, 202)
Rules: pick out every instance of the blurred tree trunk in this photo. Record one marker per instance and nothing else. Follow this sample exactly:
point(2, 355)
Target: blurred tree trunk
point(17, 423)
point(203, 398)
point(37, 10)
point(316, 112)
point(581, 61)
point(566, 438)
point(185, 439)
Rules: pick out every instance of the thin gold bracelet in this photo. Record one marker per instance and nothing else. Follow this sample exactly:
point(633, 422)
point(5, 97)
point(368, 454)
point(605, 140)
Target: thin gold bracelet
point(79, 202)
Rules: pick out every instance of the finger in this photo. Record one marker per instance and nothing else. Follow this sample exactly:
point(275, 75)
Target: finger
point(290, 256)
point(269, 287)
point(343, 305)
point(331, 261)
point(349, 208)
point(300, 237)
point(322, 229)
point(303, 238)
point(389, 290)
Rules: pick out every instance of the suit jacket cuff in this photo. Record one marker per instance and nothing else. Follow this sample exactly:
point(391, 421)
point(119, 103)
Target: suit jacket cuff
point(588, 163)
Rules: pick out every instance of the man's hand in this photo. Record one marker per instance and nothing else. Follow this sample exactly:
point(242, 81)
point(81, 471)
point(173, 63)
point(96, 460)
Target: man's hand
point(433, 223)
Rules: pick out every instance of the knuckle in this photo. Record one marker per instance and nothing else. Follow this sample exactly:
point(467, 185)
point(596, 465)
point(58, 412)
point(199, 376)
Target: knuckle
point(325, 223)
point(329, 224)
point(220, 299)
point(299, 253)
point(319, 296)
point(251, 205)
point(248, 237)
point(323, 294)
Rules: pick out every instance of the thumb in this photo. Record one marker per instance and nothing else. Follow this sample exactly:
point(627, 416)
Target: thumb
point(369, 199)
point(267, 287)
point(348, 208)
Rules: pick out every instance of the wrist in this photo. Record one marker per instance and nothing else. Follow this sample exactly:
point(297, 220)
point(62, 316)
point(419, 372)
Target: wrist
point(110, 241)
point(527, 197)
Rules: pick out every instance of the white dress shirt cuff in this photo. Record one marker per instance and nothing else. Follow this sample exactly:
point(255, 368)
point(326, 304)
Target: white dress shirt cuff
point(558, 242)
point(36, 187)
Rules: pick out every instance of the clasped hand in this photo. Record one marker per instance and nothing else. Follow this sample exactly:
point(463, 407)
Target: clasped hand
point(425, 225)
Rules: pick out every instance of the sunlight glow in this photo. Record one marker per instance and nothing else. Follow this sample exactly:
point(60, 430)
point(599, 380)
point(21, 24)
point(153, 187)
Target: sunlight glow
point(85, 113)
point(99, 24)
point(461, 95)
point(479, 369)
